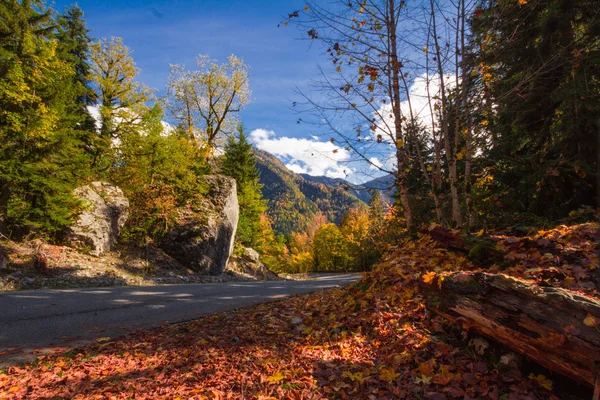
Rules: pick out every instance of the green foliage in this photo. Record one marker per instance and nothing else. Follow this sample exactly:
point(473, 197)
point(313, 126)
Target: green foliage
point(41, 156)
point(239, 163)
point(540, 64)
point(73, 41)
point(330, 250)
point(158, 172)
point(254, 227)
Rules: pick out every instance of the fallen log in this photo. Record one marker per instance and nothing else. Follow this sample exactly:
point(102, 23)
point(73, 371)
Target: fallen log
point(554, 327)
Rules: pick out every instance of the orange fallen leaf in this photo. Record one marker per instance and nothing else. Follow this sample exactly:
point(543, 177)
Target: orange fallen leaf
point(429, 277)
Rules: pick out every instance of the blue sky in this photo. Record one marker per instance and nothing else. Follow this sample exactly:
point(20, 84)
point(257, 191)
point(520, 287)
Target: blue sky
point(176, 32)
point(173, 32)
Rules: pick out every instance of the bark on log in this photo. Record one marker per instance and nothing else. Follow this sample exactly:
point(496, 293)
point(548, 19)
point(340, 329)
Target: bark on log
point(544, 324)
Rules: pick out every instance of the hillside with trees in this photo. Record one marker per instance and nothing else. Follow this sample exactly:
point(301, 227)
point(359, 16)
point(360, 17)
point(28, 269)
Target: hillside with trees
point(294, 200)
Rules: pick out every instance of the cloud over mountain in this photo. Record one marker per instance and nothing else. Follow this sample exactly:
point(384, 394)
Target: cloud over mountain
point(306, 156)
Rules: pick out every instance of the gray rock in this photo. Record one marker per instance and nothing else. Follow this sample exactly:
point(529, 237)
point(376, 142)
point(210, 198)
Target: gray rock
point(251, 254)
point(3, 259)
point(106, 210)
point(203, 237)
point(296, 321)
point(249, 265)
point(299, 329)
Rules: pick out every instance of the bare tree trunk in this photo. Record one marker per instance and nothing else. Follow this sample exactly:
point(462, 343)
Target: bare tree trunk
point(467, 113)
point(450, 155)
point(400, 152)
point(436, 173)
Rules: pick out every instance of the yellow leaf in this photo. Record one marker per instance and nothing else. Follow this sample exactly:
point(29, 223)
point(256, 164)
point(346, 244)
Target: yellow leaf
point(591, 321)
point(425, 49)
point(388, 374)
point(276, 377)
point(103, 339)
point(522, 2)
point(428, 277)
point(338, 68)
point(356, 377)
point(542, 381)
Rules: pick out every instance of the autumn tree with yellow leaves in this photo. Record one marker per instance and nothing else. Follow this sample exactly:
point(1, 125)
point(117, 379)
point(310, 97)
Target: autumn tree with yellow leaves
point(205, 101)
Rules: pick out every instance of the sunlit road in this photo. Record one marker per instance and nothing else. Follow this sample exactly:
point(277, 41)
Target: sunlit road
point(41, 321)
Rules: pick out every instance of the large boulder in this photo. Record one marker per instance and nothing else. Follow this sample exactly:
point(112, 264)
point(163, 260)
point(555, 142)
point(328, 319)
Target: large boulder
point(204, 234)
point(106, 210)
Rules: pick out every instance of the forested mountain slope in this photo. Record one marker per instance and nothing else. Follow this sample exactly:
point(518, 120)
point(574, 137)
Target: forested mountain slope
point(294, 201)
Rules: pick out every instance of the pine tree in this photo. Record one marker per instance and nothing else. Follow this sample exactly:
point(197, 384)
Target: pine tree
point(73, 47)
point(239, 163)
point(38, 157)
point(540, 68)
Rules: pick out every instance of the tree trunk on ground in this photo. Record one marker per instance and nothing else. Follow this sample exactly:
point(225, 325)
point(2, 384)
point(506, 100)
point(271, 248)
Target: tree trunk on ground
point(542, 323)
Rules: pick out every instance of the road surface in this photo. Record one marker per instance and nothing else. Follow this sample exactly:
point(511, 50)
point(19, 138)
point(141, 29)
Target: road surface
point(42, 321)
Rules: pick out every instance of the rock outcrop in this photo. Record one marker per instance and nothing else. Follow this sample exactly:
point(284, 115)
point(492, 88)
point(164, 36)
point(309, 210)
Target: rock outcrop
point(249, 264)
point(106, 210)
point(204, 234)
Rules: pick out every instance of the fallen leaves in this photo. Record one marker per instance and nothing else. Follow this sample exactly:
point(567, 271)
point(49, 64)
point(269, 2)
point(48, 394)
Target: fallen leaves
point(371, 340)
point(388, 374)
point(429, 277)
point(276, 377)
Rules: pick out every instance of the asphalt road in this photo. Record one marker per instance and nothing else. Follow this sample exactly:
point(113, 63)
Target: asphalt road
point(43, 321)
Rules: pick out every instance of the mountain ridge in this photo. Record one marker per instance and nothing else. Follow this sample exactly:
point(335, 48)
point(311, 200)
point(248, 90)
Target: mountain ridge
point(295, 200)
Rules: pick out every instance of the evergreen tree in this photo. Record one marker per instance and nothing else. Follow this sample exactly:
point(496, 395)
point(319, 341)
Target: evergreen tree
point(73, 47)
point(39, 159)
point(239, 163)
point(539, 64)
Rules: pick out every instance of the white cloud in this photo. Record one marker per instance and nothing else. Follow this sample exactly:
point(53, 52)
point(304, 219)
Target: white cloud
point(419, 103)
point(296, 168)
point(307, 156)
point(94, 111)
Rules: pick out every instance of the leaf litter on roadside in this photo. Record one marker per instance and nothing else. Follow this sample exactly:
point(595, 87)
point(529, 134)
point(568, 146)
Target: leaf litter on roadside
point(372, 340)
